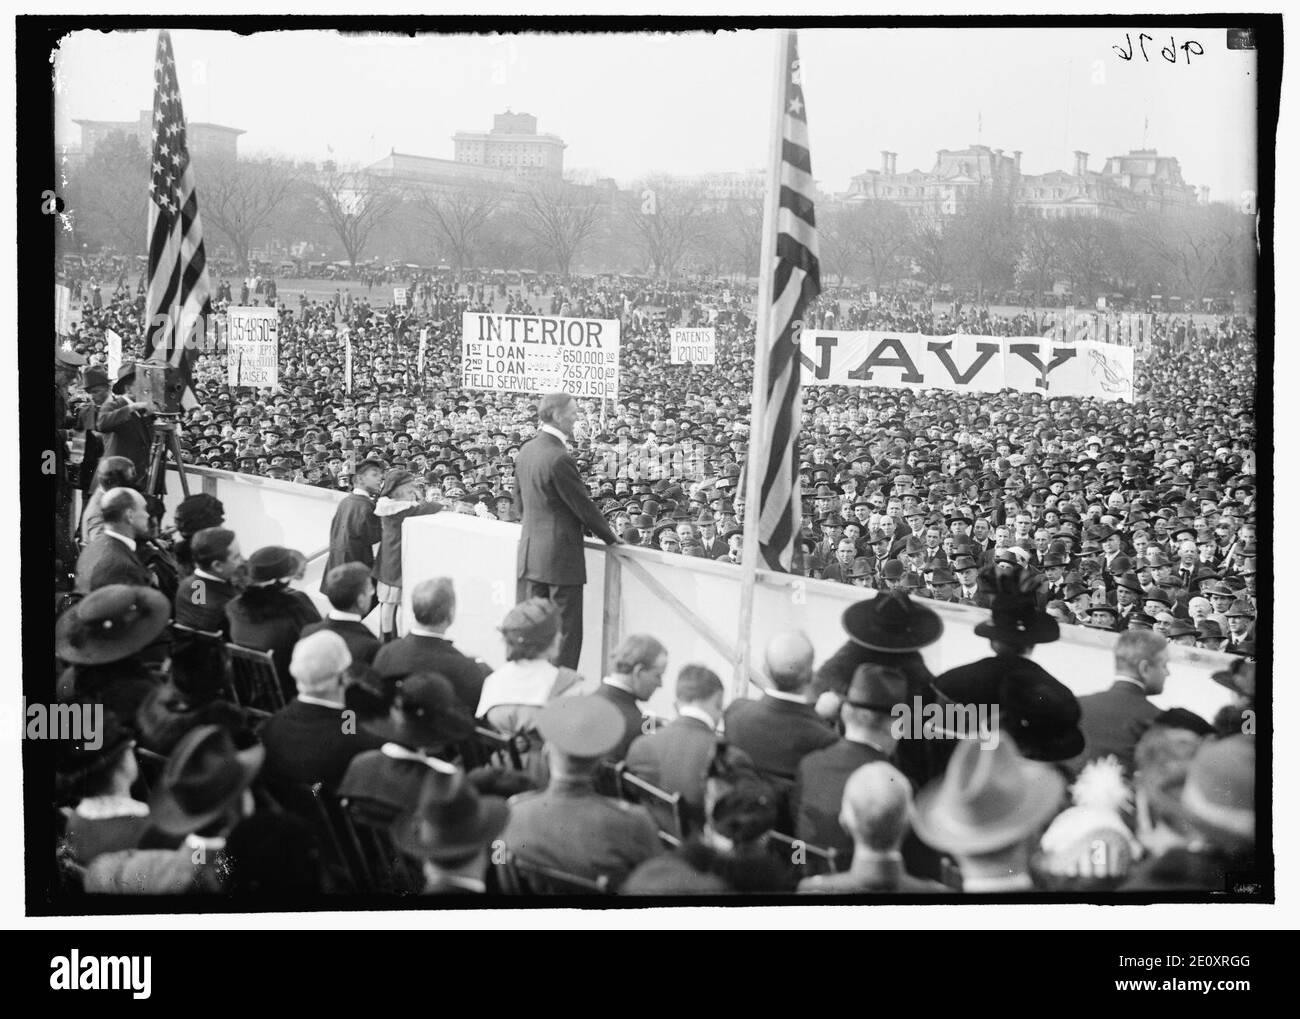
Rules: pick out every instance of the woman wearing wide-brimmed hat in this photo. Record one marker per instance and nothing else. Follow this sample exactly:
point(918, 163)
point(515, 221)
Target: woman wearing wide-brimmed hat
point(268, 615)
point(107, 641)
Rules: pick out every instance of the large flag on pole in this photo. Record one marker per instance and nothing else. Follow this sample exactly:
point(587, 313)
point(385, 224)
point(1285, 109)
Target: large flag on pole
point(795, 278)
point(178, 298)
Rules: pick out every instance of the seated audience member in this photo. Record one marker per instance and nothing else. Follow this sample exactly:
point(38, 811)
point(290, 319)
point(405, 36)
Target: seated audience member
point(95, 776)
point(1114, 720)
point(875, 813)
point(202, 595)
point(636, 672)
point(202, 795)
point(731, 853)
point(114, 555)
point(866, 714)
point(350, 591)
point(273, 856)
point(678, 756)
point(427, 649)
point(514, 694)
point(309, 740)
point(779, 728)
point(569, 826)
point(267, 615)
point(108, 640)
point(195, 513)
point(987, 812)
point(111, 472)
point(194, 692)
point(1199, 823)
point(451, 830)
point(1088, 847)
point(422, 728)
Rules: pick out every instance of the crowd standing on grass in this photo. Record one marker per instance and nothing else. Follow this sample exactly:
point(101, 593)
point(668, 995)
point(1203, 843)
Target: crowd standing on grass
point(532, 778)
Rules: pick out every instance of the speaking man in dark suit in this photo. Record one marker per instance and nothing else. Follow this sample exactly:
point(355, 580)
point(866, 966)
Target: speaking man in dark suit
point(1114, 720)
point(427, 649)
point(819, 788)
point(350, 591)
point(112, 556)
point(554, 506)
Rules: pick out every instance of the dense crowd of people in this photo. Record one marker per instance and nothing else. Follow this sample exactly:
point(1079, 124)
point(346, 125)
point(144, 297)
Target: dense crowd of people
point(530, 777)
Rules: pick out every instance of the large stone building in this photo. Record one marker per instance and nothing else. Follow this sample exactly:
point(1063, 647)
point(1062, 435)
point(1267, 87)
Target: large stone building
point(1141, 180)
point(513, 145)
point(205, 141)
point(437, 174)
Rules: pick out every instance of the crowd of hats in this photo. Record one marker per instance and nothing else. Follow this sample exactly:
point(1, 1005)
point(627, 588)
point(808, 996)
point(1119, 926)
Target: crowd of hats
point(666, 457)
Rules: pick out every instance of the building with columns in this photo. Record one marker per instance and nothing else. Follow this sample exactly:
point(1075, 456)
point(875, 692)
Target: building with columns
point(513, 145)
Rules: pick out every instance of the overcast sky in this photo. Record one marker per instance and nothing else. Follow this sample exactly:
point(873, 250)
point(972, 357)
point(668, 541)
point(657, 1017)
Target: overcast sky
point(635, 104)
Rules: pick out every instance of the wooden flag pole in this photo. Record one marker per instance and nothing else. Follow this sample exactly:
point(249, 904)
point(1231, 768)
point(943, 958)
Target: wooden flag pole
point(756, 461)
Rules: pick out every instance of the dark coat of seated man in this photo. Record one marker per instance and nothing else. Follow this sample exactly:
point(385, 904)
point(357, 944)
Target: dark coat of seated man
point(310, 739)
point(677, 757)
point(427, 649)
point(822, 775)
point(780, 728)
point(350, 590)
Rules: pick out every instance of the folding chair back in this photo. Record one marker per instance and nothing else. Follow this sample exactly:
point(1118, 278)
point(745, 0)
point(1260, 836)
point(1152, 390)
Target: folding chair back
point(254, 683)
point(388, 870)
point(521, 877)
point(808, 859)
point(665, 808)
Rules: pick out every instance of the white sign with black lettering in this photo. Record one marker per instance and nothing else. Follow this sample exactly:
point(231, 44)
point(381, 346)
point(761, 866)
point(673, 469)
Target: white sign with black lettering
point(253, 354)
point(694, 346)
point(540, 354)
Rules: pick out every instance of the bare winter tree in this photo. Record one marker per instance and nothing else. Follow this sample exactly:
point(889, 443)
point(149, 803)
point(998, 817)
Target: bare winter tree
point(354, 204)
point(933, 249)
point(665, 219)
point(1039, 263)
point(741, 233)
point(560, 216)
point(240, 198)
point(108, 195)
point(459, 215)
point(1201, 249)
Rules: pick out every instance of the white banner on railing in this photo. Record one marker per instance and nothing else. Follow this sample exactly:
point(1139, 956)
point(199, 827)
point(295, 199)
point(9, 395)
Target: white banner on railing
point(540, 354)
point(693, 346)
point(966, 364)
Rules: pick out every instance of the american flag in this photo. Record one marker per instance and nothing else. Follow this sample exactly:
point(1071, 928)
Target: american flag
point(796, 281)
point(179, 299)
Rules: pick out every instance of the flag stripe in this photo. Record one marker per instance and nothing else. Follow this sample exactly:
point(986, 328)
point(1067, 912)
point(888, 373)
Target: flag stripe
point(178, 297)
point(796, 282)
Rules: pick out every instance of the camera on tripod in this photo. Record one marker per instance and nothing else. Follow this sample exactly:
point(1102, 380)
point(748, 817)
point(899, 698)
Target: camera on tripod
point(158, 384)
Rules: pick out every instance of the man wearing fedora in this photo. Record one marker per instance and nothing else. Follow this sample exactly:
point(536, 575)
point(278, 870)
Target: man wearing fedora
point(554, 506)
point(112, 556)
point(987, 812)
point(569, 826)
point(451, 830)
point(1114, 719)
point(94, 380)
point(875, 815)
point(202, 795)
point(309, 740)
point(866, 715)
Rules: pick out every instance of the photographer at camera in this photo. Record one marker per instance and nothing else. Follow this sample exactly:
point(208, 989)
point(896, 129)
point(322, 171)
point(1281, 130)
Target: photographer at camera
point(127, 424)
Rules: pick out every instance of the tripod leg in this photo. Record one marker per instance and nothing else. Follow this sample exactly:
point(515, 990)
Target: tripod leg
point(156, 449)
point(174, 443)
